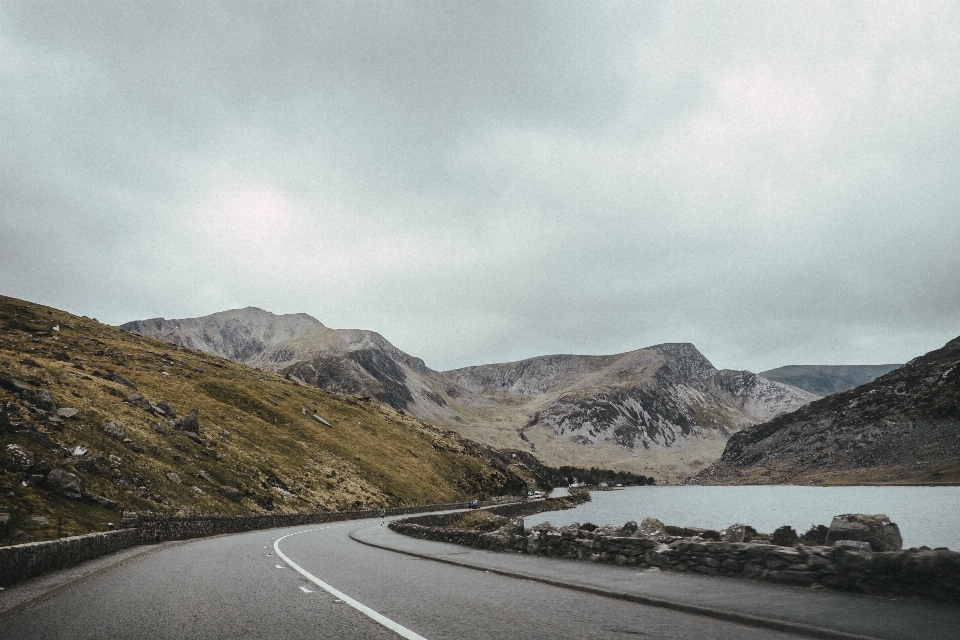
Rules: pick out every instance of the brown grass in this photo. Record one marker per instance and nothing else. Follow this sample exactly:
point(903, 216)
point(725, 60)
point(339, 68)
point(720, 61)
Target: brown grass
point(369, 456)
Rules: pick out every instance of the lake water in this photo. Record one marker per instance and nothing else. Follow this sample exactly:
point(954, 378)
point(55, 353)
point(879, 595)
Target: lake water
point(926, 515)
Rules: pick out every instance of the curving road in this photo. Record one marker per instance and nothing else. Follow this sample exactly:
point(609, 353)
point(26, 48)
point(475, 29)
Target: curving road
point(273, 584)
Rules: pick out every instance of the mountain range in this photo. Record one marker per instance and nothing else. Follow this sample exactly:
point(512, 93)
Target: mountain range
point(662, 410)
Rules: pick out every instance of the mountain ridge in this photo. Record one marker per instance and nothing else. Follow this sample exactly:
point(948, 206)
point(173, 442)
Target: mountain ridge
point(608, 411)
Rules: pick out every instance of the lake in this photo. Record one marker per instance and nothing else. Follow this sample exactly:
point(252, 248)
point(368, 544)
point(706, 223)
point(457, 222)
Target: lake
point(926, 515)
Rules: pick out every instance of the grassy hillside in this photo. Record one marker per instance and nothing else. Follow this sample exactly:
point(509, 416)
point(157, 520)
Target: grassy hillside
point(256, 434)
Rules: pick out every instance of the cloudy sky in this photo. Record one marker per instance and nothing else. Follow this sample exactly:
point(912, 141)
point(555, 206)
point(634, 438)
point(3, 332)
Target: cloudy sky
point(777, 183)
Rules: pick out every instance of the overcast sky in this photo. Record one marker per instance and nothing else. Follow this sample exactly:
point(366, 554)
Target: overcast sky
point(775, 182)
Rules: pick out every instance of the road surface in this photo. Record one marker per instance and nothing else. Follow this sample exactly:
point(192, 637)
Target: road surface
point(319, 582)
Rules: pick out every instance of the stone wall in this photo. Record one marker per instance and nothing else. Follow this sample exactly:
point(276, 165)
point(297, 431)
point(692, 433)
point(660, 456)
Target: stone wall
point(23, 561)
point(927, 573)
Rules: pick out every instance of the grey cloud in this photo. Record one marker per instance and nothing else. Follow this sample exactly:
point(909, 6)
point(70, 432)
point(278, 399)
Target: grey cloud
point(489, 181)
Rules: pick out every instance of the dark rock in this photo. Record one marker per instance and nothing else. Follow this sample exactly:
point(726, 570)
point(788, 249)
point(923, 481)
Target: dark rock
point(196, 438)
point(96, 465)
point(191, 422)
point(115, 430)
point(159, 427)
point(629, 528)
point(44, 399)
point(785, 536)
point(882, 534)
point(179, 459)
point(164, 406)
point(61, 355)
point(63, 483)
point(133, 446)
point(231, 493)
point(17, 458)
point(138, 401)
point(41, 466)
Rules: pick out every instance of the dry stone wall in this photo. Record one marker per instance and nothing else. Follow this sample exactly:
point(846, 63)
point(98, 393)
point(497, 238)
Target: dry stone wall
point(24, 561)
point(927, 573)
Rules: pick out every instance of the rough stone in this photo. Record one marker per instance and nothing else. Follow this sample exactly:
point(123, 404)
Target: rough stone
point(114, 430)
point(17, 458)
point(173, 477)
point(191, 422)
point(652, 528)
point(63, 483)
point(855, 545)
point(44, 399)
point(66, 412)
point(159, 427)
point(231, 493)
point(882, 534)
point(733, 533)
point(164, 406)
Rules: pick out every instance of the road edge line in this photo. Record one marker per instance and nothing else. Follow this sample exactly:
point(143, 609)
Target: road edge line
point(773, 624)
point(396, 627)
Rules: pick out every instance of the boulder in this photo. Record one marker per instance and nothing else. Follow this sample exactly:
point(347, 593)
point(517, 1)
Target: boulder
point(164, 406)
point(44, 399)
point(191, 422)
point(63, 483)
point(17, 458)
point(138, 401)
point(733, 533)
point(231, 493)
point(629, 528)
point(173, 477)
point(66, 412)
point(652, 528)
point(882, 534)
point(114, 430)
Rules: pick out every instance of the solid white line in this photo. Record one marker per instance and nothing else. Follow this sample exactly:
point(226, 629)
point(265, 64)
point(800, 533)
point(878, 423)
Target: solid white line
point(402, 631)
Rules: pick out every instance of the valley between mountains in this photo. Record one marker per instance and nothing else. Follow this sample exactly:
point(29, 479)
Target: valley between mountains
point(662, 410)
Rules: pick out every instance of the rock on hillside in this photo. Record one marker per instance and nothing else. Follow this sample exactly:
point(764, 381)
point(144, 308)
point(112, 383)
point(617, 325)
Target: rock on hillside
point(94, 419)
point(631, 411)
point(903, 427)
point(824, 380)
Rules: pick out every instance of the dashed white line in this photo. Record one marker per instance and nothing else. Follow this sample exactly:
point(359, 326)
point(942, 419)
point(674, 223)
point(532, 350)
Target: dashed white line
point(280, 566)
point(399, 629)
point(305, 590)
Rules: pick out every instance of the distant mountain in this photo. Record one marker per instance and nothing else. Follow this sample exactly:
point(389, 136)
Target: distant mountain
point(662, 410)
point(903, 427)
point(824, 380)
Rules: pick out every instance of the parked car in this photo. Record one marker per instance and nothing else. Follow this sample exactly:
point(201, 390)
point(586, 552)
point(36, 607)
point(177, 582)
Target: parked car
point(474, 504)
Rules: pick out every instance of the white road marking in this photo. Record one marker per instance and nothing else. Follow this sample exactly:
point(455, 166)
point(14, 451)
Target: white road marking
point(400, 630)
point(305, 590)
point(280, 566)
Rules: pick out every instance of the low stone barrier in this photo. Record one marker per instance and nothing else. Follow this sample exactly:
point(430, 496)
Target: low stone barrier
point(927, 573)
point(23, 561)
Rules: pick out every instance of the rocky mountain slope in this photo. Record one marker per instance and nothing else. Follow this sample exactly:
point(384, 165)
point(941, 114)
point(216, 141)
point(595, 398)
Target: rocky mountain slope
point(903, 427)
point(824, 380)
point(662, 411)
point(94, 419)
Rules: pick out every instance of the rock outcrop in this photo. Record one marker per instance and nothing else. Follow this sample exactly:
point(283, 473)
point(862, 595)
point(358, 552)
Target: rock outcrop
point(902, 427)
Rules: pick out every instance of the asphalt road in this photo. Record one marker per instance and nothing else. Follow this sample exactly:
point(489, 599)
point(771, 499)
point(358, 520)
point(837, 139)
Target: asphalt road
point(238, 587)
